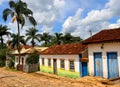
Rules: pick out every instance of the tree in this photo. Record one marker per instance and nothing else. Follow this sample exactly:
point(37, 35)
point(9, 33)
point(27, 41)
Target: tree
point(67, 38)
point(32, 35)
point(3, 31)
point(18, 11)
point(46, 38)
point(14, 42)
point(58, 38)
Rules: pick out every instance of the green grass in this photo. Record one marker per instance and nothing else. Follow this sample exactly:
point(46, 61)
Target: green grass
point(60, 72)
point(10, 69)
point(46, 69)
point(69, 74)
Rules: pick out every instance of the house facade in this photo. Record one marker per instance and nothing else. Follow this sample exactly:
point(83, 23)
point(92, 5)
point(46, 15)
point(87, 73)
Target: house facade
point(65, 57)
point(24, 53)
point(104, 53)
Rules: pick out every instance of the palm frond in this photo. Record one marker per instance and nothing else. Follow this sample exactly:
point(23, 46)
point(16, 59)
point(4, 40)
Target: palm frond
point(7, 12)
point(32, 20)
point(12, 4)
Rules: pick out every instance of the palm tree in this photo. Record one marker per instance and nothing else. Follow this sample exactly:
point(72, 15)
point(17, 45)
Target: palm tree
point(14, 42)
point(67, 38)
point(58, 38)
point(3, 31)
point(18, 11)
point(46, 38)
point(32, 35)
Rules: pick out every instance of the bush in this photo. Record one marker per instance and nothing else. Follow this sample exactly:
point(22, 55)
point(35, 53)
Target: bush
point(11, 63)
point(32, 59)
point(2, 57)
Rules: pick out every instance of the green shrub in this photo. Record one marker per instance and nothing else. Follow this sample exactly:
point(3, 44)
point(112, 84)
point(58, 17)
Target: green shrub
point(32, 59)
point(2, 57)
point(11, 63)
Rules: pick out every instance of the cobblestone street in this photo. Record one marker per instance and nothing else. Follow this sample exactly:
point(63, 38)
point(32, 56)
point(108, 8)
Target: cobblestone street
point(21, 79)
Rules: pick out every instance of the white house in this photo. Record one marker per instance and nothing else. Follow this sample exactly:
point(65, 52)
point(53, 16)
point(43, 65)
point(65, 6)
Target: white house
point(66, 56)
point(24, 52)
point(104, 53)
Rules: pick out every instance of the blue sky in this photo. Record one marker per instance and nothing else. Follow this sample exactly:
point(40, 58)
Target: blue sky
point(74, 16)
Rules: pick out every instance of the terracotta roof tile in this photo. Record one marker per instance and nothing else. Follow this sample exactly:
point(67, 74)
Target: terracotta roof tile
point(74, 48)
point(104, 36)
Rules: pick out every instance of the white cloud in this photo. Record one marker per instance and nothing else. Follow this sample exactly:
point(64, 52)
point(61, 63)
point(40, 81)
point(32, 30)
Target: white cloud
point(1, 1)
point(46, 12)
point(95, 20)
point(115, 25)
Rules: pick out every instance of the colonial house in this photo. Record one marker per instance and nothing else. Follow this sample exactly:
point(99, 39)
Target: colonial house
point(24, 52)
point(71, 57)
point(104, 53)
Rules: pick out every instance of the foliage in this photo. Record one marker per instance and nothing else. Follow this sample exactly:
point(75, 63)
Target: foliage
point(60, 72)
point(58, 38)
point(46, 37)
point(10, 69)
point(3, 31)
point(14, 42)
point(32, 59)
point(2, 57)
point(11, 63)
point(32, 35)
point(18, 11)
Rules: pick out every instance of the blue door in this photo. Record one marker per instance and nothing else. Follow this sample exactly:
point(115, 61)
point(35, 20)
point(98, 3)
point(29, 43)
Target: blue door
point(84, 69)
point(98, 67)
point(112, 65)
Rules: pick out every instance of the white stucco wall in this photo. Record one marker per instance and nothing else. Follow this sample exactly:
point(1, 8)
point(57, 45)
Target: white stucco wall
point(16, 62)
point(107, 47)
point(58, 57)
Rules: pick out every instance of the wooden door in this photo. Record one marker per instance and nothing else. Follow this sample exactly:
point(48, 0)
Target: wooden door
point(84, 69)
point(55, 66)
point(98, 67)
point(112, 61)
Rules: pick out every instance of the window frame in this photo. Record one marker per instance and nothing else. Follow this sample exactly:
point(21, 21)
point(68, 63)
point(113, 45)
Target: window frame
point(48, 62)
point(43, 61)
point(70, 66)
point(61, 63)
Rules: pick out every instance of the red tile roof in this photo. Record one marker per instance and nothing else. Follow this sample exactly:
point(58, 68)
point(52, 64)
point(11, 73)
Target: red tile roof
point(74, 48)
point(104, 36)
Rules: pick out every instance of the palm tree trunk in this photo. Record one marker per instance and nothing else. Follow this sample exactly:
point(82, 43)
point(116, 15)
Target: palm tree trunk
point(1, 42)
point(18, 47)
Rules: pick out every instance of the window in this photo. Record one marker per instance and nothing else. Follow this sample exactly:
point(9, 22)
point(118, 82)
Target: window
point(62, 64)
point(42, 61)
point(49, 62)
point(71, 62)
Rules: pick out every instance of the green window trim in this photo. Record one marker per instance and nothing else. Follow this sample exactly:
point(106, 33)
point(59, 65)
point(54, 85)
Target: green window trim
point(71, 65)
point(62, 64)
point(49, 62)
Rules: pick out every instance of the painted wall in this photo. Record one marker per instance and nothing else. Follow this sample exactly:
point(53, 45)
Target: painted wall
point(17, 60)
point(107, 47)
point(58, 57)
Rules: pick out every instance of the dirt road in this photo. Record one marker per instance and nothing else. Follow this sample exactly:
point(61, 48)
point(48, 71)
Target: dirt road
point(21, 79)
